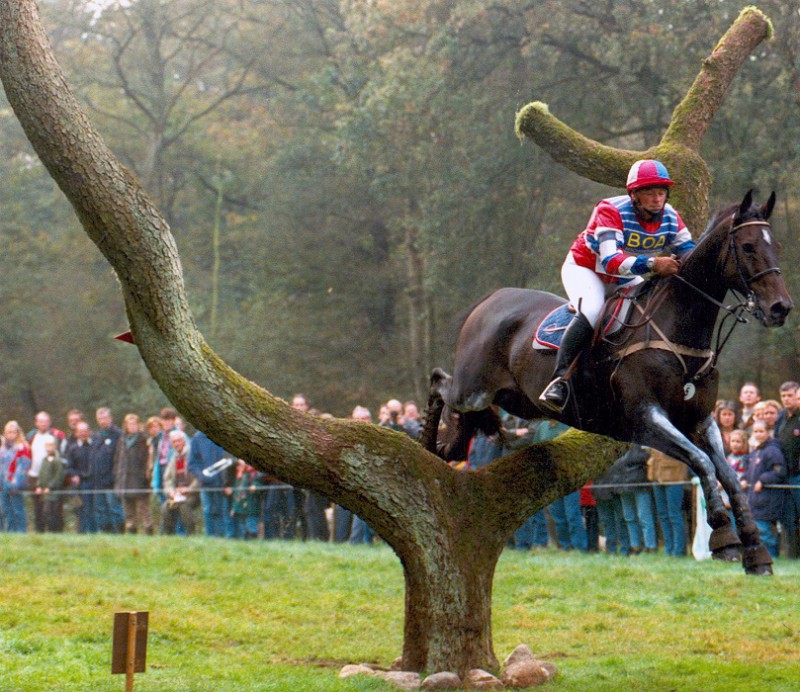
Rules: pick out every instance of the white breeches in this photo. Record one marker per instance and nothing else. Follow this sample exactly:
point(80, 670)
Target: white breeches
point(586, 290)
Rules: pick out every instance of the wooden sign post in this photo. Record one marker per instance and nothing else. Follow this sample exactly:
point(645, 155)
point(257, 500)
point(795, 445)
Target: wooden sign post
point(130, 645)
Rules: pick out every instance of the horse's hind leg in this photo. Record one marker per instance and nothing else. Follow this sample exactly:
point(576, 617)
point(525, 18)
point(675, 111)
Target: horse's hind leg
point(756, 559)
point(433, 411)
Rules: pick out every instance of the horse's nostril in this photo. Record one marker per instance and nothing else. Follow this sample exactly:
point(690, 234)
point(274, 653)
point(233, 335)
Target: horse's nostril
point(780, 308)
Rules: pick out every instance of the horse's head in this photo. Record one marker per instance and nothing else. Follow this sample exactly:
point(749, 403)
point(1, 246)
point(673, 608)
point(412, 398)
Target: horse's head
point(751, 262)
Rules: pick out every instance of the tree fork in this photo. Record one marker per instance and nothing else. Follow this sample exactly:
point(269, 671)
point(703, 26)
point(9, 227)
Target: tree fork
point(679, 148)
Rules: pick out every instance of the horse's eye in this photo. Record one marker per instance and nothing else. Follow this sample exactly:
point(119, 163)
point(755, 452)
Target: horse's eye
point(749, 248)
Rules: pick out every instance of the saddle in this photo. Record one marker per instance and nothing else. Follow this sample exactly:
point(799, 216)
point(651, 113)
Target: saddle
point(616, 312)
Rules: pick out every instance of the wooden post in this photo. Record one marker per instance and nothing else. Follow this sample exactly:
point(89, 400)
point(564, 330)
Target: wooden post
point(129, 645)
point(131, 653)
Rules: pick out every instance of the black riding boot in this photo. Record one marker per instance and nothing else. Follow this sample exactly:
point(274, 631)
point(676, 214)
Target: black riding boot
point(576, 335)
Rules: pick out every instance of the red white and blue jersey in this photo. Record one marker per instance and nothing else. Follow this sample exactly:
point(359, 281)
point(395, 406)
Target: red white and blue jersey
point(617, 243)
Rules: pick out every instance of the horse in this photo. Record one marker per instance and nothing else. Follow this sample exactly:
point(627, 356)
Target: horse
point(654, 382)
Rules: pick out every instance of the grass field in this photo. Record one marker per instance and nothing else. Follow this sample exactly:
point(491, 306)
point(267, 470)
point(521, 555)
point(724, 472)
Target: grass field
point(286, 616)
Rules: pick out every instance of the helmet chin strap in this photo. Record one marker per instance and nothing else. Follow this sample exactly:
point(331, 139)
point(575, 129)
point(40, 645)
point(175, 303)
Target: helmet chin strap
point(645, 213)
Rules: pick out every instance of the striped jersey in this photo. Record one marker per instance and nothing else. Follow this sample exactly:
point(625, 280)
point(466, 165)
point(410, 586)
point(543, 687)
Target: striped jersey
point(617, 243)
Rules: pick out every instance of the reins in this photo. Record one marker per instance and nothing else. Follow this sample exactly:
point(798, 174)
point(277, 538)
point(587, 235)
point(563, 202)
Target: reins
point(745, 304)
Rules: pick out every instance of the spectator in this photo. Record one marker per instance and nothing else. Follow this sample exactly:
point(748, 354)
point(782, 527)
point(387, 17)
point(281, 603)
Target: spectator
point(788, 394)
point(161, 445)
point(246, 502)
point(725, 417)
point(609, 511)
point(766, 466)
point(343, 518)
point(771, 410)
point(737, 459)
point(79, 473)
point(51, 485)
point(179, 486)
point(15, 464)
point(74, 416)
point(518, 435)
point(787, 432)
point(412, 425)
point(36, 437)
point(153, 430)
point(109, 516)
point(315, 505)
point(131, 474)
point(590, 518)
point(360, 531)
point(669, 475)
point(637, 502)
point(566, 511)
point(204, 454)
point(749, 396)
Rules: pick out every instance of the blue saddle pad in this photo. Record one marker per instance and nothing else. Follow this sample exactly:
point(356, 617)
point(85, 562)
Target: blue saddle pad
point(549, 332)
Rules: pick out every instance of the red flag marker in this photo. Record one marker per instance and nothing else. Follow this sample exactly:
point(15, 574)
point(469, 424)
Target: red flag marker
point(127, 337)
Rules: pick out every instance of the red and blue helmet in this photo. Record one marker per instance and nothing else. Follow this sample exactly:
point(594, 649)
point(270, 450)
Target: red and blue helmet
point(648, 173)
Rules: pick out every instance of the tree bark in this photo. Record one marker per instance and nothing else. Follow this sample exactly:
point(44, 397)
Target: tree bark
point(447, 527)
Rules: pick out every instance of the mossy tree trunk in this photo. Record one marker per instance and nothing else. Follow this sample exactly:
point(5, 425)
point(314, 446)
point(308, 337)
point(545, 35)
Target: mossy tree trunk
point(448, 528)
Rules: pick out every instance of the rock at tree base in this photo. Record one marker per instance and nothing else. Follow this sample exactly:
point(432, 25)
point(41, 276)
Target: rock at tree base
point(442, 681)
point(527, 673)
point(402, 680)
point(351, 670)
point(521, 653)
point(478, 679)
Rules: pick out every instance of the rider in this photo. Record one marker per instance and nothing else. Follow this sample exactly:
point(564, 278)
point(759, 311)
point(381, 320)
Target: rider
point(621, 245)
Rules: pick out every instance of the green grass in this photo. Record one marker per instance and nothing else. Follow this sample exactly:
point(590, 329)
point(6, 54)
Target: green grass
point(286, 616)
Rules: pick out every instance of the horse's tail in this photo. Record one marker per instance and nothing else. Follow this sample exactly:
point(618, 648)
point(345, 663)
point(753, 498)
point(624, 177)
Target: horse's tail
point(459, 429)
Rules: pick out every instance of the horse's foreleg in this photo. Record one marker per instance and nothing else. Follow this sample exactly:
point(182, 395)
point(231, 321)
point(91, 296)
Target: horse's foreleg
point(756, 559)
point(656, 430)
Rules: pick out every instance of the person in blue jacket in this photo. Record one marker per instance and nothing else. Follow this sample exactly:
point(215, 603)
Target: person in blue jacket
point(766, 466)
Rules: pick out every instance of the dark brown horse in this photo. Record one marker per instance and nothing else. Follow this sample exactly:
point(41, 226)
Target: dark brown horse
point(655, 384)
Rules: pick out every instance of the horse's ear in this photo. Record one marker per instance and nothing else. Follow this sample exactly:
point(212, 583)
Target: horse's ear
point(746, 203)
point(769, 206)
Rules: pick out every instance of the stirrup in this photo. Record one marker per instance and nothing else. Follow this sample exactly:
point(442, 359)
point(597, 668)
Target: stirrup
point(555, 395)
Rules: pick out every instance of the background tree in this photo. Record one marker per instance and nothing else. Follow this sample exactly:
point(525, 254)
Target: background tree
point(448, 528)
point(373, 186)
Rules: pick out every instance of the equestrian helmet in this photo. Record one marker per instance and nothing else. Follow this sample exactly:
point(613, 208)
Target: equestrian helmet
point(648, 173)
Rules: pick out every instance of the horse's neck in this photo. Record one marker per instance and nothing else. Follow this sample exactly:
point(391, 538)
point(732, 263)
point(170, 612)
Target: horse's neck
point(685, 315)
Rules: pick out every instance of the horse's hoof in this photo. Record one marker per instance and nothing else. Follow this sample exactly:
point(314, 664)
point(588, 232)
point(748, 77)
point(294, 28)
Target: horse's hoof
point(756, 560)
point(759, 571)
point(730, 553)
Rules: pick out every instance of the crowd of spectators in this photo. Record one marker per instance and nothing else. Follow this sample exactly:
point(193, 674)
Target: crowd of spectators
point(153, 476)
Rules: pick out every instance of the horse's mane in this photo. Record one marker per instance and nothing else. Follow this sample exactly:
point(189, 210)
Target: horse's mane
point(729, 211)
point(717, 218)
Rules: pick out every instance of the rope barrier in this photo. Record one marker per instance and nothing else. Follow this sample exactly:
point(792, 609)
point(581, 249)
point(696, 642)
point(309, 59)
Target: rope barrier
point(268, 488)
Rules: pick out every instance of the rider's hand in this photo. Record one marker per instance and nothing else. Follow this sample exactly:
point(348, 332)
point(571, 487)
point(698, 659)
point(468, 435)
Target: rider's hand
point(665, 266)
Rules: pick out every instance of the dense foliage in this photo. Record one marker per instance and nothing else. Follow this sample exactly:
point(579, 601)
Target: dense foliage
point(343, 178)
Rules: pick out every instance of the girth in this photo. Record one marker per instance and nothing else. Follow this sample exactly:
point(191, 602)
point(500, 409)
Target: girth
point(679, 350)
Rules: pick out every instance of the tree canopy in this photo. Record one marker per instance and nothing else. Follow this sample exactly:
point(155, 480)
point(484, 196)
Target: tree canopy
point(358, 166)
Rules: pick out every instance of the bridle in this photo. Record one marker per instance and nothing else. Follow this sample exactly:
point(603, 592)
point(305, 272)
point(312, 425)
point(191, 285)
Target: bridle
point(746, 303)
